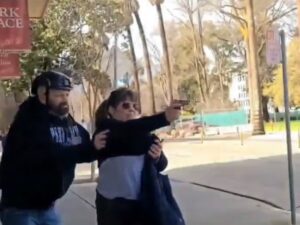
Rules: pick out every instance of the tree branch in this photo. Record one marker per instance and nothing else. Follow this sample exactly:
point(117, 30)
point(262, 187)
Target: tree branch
point(271, 7)
point(274, 19)
point(178, 18)
point(233, 7)
point(235, 17)
point(261, 47)
point(283, 14)
point(278, 9)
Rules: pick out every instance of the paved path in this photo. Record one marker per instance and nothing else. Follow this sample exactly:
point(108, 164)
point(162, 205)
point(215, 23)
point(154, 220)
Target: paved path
point(199, 206)
point(216, 183)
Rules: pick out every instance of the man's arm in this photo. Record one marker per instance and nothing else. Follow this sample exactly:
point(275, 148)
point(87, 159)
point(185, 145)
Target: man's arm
point(88, 153)
point(44, 150)
point(28, 146)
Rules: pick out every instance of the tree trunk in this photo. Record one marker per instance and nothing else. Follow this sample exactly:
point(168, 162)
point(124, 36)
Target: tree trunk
point(202, 57)
point(265, 100)
point(166, 51)
point(19, 96)
point(199, 76)
point(222, 88)
point(135, 68)
point(115, 62)
point(162, 82)
point(147, 61)
point(197, 59)
point(89, 99)
point(298, 5)
point(257, 118)
point(250, 91)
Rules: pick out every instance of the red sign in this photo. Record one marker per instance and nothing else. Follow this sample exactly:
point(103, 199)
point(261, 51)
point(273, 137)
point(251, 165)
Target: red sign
point(10, 67)
point(15, 33)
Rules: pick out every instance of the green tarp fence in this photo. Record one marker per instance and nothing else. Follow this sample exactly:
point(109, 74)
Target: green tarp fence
point(221, 119)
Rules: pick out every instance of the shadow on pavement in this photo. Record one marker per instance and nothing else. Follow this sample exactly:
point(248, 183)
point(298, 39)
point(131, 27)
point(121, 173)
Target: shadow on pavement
point(264, 179)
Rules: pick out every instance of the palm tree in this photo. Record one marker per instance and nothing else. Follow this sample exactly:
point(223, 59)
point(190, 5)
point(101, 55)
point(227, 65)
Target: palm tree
point(135, 67)
point(202, 55)
point(257, 117)
point(158, 3)
point(298, 5)
point(115, 84)
point(134, 5)
point(128, 21)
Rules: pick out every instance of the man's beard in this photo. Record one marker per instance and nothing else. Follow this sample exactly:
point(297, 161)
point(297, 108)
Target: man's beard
point(61, 110)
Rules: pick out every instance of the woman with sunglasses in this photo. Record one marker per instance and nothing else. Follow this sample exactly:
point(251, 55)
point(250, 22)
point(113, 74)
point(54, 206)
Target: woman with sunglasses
point(122, 161)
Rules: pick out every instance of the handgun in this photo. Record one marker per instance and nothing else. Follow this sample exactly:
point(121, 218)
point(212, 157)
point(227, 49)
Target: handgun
point(182, 103)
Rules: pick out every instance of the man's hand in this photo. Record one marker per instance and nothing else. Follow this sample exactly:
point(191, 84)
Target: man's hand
point(155, 150)
point(100, 140)
point(173, 111)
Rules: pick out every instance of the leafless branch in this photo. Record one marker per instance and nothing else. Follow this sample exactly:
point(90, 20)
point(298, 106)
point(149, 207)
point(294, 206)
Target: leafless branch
point(277, 9)
point(271, 7)
point(274, 19)
point(221, 39)
point(283, 14)
point(235, 17)
point(233, 7)
point(156, 54)
point(178, 18)
point(261, 47)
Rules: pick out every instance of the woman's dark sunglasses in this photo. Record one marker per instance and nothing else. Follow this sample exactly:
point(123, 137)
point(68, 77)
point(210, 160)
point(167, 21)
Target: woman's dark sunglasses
point(128, 105)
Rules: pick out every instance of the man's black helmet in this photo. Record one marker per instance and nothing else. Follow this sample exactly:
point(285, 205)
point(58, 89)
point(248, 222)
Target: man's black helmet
point(35, 84)
point(51, 80)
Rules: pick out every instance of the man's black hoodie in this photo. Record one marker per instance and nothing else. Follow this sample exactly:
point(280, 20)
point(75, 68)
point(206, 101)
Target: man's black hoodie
point(39, 157)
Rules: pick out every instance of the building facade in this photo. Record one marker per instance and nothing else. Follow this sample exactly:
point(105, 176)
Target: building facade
point(239, 92)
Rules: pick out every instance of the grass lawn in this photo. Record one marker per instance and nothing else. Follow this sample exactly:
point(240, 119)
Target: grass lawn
point(280, 126)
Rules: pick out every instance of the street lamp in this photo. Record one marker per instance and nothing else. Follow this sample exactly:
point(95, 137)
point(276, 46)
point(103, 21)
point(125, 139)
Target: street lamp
point(37, 8)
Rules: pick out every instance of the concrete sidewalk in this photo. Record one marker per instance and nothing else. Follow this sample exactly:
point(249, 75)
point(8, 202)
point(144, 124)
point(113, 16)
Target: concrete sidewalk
point(276, 136)
point(199, 206)
point(256, 170)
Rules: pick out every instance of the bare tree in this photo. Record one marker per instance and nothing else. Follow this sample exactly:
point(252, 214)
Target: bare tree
point(298, 6)
point(128, 21)
point(189, 8)
point(115, 62)
point(162, 78)
point(258, 123)
point(134, 6)
point(266, 13)
point(163, 36)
